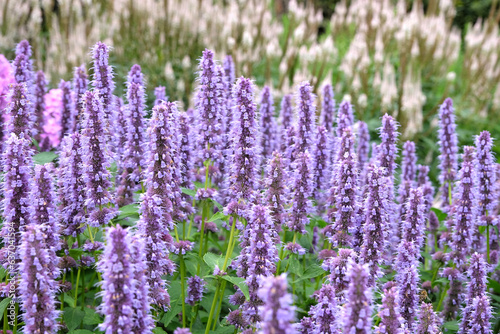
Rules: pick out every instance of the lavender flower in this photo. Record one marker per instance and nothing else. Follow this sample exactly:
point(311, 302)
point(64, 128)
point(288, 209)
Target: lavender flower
point(37, 285)
point(160, 95)
point(480, 318)
point(290, 147)
point(267, 125)
point(408, 165)
point(229, 71)
point(209, 110)
point(23, 65)
point(428, 321)
point(262, 257)
point(448, 143)
point(245, 159)
point(337, 266)
point(327, 109)
point(153, 227)
point(363, 147)
point(143, 322)
point(414, 223)
point(321, 167)
point(302, 190)
point(391, 320)
point(19, 109)
point(486, 176)
point(186, 157)
point(97, 177)
point(135, 75)
point(375, 227)
point(408, 280)
point(103, 78)
point(455, 293)
point(325, 313)
point(427, 189)
point(285, 120)
point(306, 111)
point(39, 107)
point(71, 186)
point(277, 312)
point(182, 247)
point(182, 331)
point(229, 79)
point(345, 117)
point(118, 289)
point(195, 288)
point(476, 287)
point(80, 83)
point(276, 190)
point(16, 187)
point(345, 192)
point(356, 317)
point(305, 326)
point(295, 248)
point(237, 319)
point(464, 210)
point(68, 111)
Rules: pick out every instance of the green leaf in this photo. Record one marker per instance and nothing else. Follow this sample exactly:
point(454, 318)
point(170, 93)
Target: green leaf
point(294, 267)
point(130, 210)
point(187, 191)
point(81, 331)
point(91, 317)
point(452, 325)
point(44, 157)
point(212, 260)
point(159, 330)
point(3, 272)
point(73, 317)
point(175, 309)
point(223, 330)
point(240, 283)
point(311, 272)
point(440, 214)
point(75, 253)
point(3, 304)
point(218, 215)
point(218, 205)
point(494, 285)
point(68, 299)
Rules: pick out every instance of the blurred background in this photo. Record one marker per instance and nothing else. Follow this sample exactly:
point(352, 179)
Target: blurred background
point(400, 57)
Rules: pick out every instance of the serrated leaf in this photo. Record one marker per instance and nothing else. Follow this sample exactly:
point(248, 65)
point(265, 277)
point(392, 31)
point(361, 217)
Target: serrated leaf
point(311, 272)
point(3, 304)
point(218, 215)
point(212, 260)
point(175, 309)
point(44, 157)
point(73, 317)
point(91, 317)
point(294, 266)
point(240, 283)
point(189, 192)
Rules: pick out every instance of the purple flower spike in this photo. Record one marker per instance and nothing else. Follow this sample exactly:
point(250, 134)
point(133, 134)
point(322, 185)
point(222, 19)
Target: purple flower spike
point(268, 142)
point(414, 223)
point(290, 147)
point(325, 314)
point(80, 84)
point(302, 190)
point(295, 248)
point(285, 120)
point(99, 203)
point(103, 78)
point(275, 195)
point(391, 320)
point(16, 186)
point(278, 311)
point(321, 167)
point(243, 179)
point(476, 287)
point(23, 65)
point(337, 266)
point(143, 322)
point(363, 148)
point(135, 75)
point(117, 293)
point(195, 288)
point(408, 165)
point(305, 326)
point(229, 71)
point(346, 192)
point(486, 176)
point(455, 293)
point(71, 186)
point(260, 256)
point(425, 184)
point(182, 331)
point(428, 321)
point(448, 143)
point(209, 109)
point(37, 286)
point(160, 95)
point(67, 112)
point(376, 225)
point(153, 227)
point(306, 112)
point(327, 109)
point(229, 81)
point(465, 211)
point(480, 318)
point(40, 91)
point(387, 151)
point(357, 315)
point(186, 156)
point(345, 117)
point(237, 319)
point(408, 281)
point(20, 111)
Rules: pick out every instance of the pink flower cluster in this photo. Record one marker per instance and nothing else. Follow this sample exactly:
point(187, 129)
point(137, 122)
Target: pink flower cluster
point(51, 135)
point(6, 78)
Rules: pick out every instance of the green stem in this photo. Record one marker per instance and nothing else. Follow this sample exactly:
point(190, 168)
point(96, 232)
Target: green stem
point(5, 321)
point(434, 275)
point(212, 308)
point(76, 285)
point(438, 307)
point(219, 308)
point(62, 296)
point(230, 245)
point(282, 253)
point(194, 315)
point(183, 277)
